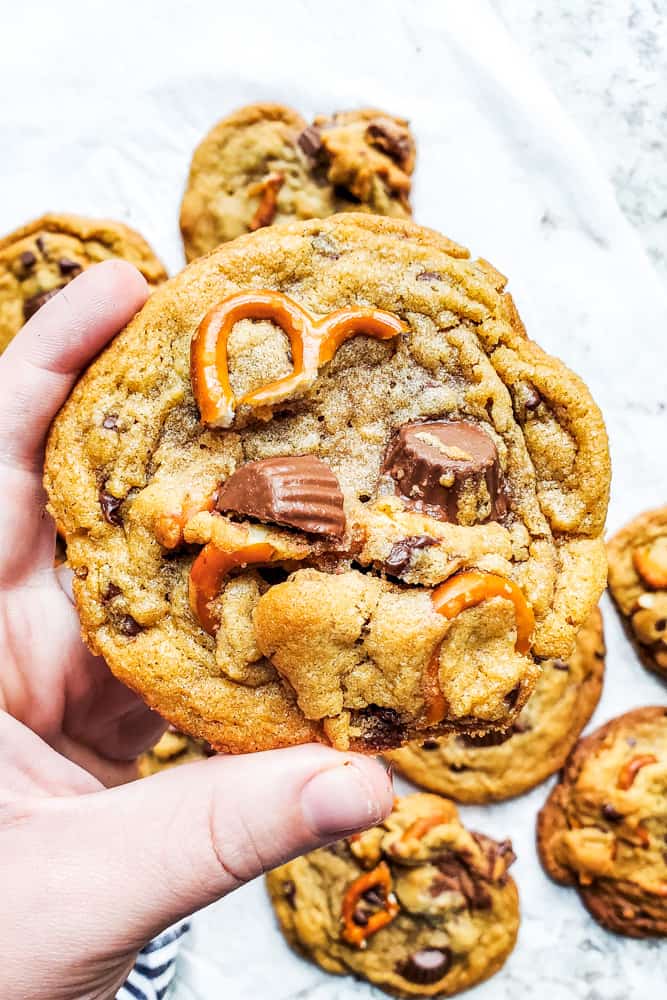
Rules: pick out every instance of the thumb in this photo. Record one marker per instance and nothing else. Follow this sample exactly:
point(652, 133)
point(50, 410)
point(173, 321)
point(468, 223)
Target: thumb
point(143, 855)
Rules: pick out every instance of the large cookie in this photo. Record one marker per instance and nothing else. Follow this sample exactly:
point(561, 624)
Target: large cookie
point(418, 905)
point(497, 766)
point(41, 257)
point(265, 164)
point(604, 826)
point(357, 539)
point(638, 585)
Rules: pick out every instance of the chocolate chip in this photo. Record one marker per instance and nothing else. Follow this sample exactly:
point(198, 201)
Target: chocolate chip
point(28, 260)
point(426, 966)
point(400, 555)
point(440, 464)
point(310, 142)
point(374, 896)
point(299, 491)
point(512, 696)
point(360, 917)
point(110, 506)
point(68, 267)
point(113, 591)
point(129, 626)
point(458, 768)
point(610, 814)
point(429, 276)
point(110, 422)
point(560, 665)
point(289, 892)
point(660, 625)
point(31, 305)
point(532, 398)
point(430, 745)
point(81, 572)
point(392, 139)
point(40, 245)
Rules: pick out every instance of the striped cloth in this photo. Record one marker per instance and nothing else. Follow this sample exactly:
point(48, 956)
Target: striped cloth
point(155, 967)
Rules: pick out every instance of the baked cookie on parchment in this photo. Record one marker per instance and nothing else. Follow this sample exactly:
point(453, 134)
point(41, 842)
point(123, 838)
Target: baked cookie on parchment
point(418, 905)
point(638, 585)
point(40, 258)
point(265, 164)
point(497, 766)
point(604, 826)
point(324, 487)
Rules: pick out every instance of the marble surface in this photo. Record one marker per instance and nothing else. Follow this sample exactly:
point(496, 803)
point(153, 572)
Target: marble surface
point(106, 109)
point(606, 61)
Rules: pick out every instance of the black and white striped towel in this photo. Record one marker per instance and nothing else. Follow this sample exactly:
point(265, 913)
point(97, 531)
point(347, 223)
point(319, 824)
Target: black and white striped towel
point(155, 967)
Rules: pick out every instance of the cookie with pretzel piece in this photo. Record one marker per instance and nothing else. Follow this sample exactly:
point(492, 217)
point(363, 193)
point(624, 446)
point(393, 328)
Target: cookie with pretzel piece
point(638, 585)
point(40, 258)
point(331, 497)
point(603, 829)
point(418, 905)
point(264, 164)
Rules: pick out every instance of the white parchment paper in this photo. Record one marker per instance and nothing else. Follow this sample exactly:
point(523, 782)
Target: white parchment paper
point(102, 105)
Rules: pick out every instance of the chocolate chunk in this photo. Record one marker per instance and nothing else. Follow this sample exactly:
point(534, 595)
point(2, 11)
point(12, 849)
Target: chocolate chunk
point(129, 626)
point(110, 422)
point(40, 245)
point(298, 491)
point(426, 966)
point(610, 814)
point(109, 594)
point(31, 305)
point(450, 466)
point(110, 508)
point(310, 142)
point(430, 745)
point(28, 260)
point(532, 398)
point(392, 139)
point(374, 896)
point(289, 892)
point(68, 267)
point(429, 276)
point(457, 877)
point(382, 727)
point(490, 739)
point(458, 768)
point(360, 917)
point(400, 556)
point(560, 665)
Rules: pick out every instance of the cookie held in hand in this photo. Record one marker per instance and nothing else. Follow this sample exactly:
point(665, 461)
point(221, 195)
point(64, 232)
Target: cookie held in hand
point(40, 258)
point(603, 829)
point(418, 905)
point(352, 503)
point(264, 164)
point(496, 766)
point(638, 585)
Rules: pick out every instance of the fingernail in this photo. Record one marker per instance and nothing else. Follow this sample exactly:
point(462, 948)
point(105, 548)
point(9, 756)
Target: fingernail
point(339, 801)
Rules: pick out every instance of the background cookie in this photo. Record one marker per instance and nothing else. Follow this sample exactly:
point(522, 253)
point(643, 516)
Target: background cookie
point(604, 826)
point(414, 505)
point(171, 749)
point(638, 585)
point(498, 766)
point(265, 164)
point(418, 905)
point(41, 257)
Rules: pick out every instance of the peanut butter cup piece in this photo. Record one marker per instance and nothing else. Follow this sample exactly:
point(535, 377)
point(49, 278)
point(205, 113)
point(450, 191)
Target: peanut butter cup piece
point(451, 468)
point(426, 966)
point(298, 491)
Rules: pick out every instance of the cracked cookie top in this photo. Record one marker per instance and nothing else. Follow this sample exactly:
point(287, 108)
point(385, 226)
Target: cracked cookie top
point(264, 164)
point(418, 905)
point(603, 829)
point(331, 495)
point(638, 584)
point(40, 258)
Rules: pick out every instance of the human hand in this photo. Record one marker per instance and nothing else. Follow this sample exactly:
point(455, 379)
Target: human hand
point(89, 874)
